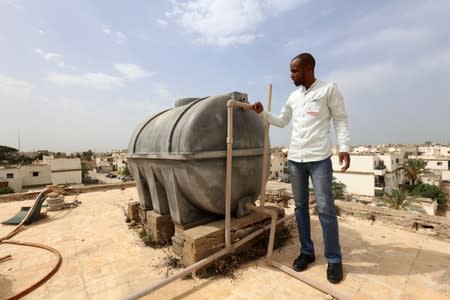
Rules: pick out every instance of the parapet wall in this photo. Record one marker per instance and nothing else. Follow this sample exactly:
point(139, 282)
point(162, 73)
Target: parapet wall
point(69, 190)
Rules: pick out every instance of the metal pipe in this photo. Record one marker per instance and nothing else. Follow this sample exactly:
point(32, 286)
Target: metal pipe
point(264, 174)
point(229, 170)
point(273, 225)
point(245, 106)
point(203, 262)
point(321, 286)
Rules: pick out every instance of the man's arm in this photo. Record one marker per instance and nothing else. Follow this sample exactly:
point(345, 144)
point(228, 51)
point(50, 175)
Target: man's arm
point(280, 121)
point(340, 120)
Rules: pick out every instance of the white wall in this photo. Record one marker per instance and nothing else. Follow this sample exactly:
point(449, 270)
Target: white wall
point(392, 161)
point(16, 182)
point(358, 163)
point(42, 179)
point(64, 170)
point(278, 161)
point(360, 184)
point(446, 175)
point(437, 164)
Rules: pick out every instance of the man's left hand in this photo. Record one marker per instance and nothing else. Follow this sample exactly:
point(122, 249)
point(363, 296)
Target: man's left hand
point(344, 157)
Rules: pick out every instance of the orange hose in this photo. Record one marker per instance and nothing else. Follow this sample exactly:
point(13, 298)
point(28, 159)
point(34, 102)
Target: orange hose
point(46, 277)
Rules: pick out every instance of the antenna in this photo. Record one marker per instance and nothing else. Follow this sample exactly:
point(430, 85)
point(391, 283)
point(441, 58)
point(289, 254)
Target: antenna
point(18, 135)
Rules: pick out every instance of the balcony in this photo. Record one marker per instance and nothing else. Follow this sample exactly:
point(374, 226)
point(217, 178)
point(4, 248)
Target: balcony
point(379, 169)
point(379, 172)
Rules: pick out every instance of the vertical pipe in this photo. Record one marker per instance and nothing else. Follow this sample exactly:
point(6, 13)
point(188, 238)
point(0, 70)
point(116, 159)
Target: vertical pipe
point(266, 150)
point(229, 171)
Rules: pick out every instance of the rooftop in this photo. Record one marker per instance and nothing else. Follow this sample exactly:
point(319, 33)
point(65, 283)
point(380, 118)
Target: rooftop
point(104, 259)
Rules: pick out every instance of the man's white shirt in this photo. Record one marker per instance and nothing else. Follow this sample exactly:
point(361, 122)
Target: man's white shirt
point(311, 111)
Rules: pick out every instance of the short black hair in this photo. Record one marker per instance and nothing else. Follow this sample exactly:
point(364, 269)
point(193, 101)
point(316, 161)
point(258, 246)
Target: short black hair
point(306, 59)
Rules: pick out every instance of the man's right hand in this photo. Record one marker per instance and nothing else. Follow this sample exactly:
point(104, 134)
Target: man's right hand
point(258, 107)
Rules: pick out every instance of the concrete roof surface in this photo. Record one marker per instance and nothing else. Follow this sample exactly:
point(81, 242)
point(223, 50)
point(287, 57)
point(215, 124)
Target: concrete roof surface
point(104, 259)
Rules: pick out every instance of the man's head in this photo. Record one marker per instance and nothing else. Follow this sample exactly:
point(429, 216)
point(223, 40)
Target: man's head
point(302, 69)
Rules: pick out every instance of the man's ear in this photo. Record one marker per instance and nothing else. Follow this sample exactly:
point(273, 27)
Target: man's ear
point(307, 68)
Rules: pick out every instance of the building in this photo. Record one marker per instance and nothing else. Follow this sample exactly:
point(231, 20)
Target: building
point(64, 170)
point(278, 164)
point(41, 173)
point(370, 174)
point(10, 176)
point(119, 160)
point(35, 176)
point(104, 164)
point(434, 150)
point(437, 167)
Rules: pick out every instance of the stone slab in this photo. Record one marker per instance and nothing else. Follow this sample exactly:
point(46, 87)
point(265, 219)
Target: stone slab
point(160, 226)
point(202, 241)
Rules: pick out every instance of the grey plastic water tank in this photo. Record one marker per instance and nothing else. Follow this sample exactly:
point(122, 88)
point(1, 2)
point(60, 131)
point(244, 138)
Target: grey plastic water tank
point(178, 158)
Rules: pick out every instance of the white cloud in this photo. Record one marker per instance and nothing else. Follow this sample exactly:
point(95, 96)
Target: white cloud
point(385, 39)
point(119, 37)
point(95, 80)
point(161, 90)
point(162, 23)
point(132, 71)
point(12, 88)
point(360, 81)
point(52, 57)
point(100, 80)
point(227, 22)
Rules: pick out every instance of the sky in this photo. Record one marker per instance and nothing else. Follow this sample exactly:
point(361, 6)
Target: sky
point(79, 75)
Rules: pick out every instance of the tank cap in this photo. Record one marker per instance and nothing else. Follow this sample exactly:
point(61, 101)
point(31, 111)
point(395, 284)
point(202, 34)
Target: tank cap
point(238, 96)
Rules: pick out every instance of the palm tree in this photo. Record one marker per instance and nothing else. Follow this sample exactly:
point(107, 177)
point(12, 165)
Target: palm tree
point(414, 168)
point(397, 199)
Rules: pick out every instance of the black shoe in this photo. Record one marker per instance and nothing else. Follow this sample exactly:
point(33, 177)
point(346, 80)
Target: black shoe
point(334, 272)
point(302, 262)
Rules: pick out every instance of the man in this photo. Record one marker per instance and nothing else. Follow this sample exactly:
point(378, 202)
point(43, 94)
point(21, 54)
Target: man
point(311, 107)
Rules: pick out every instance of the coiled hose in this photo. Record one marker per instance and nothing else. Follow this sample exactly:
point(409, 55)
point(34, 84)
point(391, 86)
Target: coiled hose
point(20, 227)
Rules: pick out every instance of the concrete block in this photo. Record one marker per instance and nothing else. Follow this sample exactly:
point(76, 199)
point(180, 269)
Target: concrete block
point(133, 210)
point(161, 227)
point(203, 241)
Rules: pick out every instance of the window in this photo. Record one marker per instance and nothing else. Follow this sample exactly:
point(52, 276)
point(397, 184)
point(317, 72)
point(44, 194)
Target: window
point(281, 164)
point(396, 160)
point(35, 174)
point(10, 175)
point(439, 163)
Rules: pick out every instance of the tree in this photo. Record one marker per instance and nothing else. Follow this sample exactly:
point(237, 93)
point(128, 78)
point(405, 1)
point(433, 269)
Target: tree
point(429, 191)
point(84, 169)
point(6, 190)
point(414, 168)
point(87, 155)
point(338, 188)
point(397, 199)
point(125, 171)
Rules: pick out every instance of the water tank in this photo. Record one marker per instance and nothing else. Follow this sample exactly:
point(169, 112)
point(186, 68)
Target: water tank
point(178, 158)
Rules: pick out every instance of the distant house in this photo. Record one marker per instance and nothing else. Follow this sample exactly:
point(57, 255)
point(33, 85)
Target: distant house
point(278, 164)
point(370, 173)
point(35, 176)
point(438, 166)
point(116, 161)
point(10, 177)
point(41, 173)
point(64, 170)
